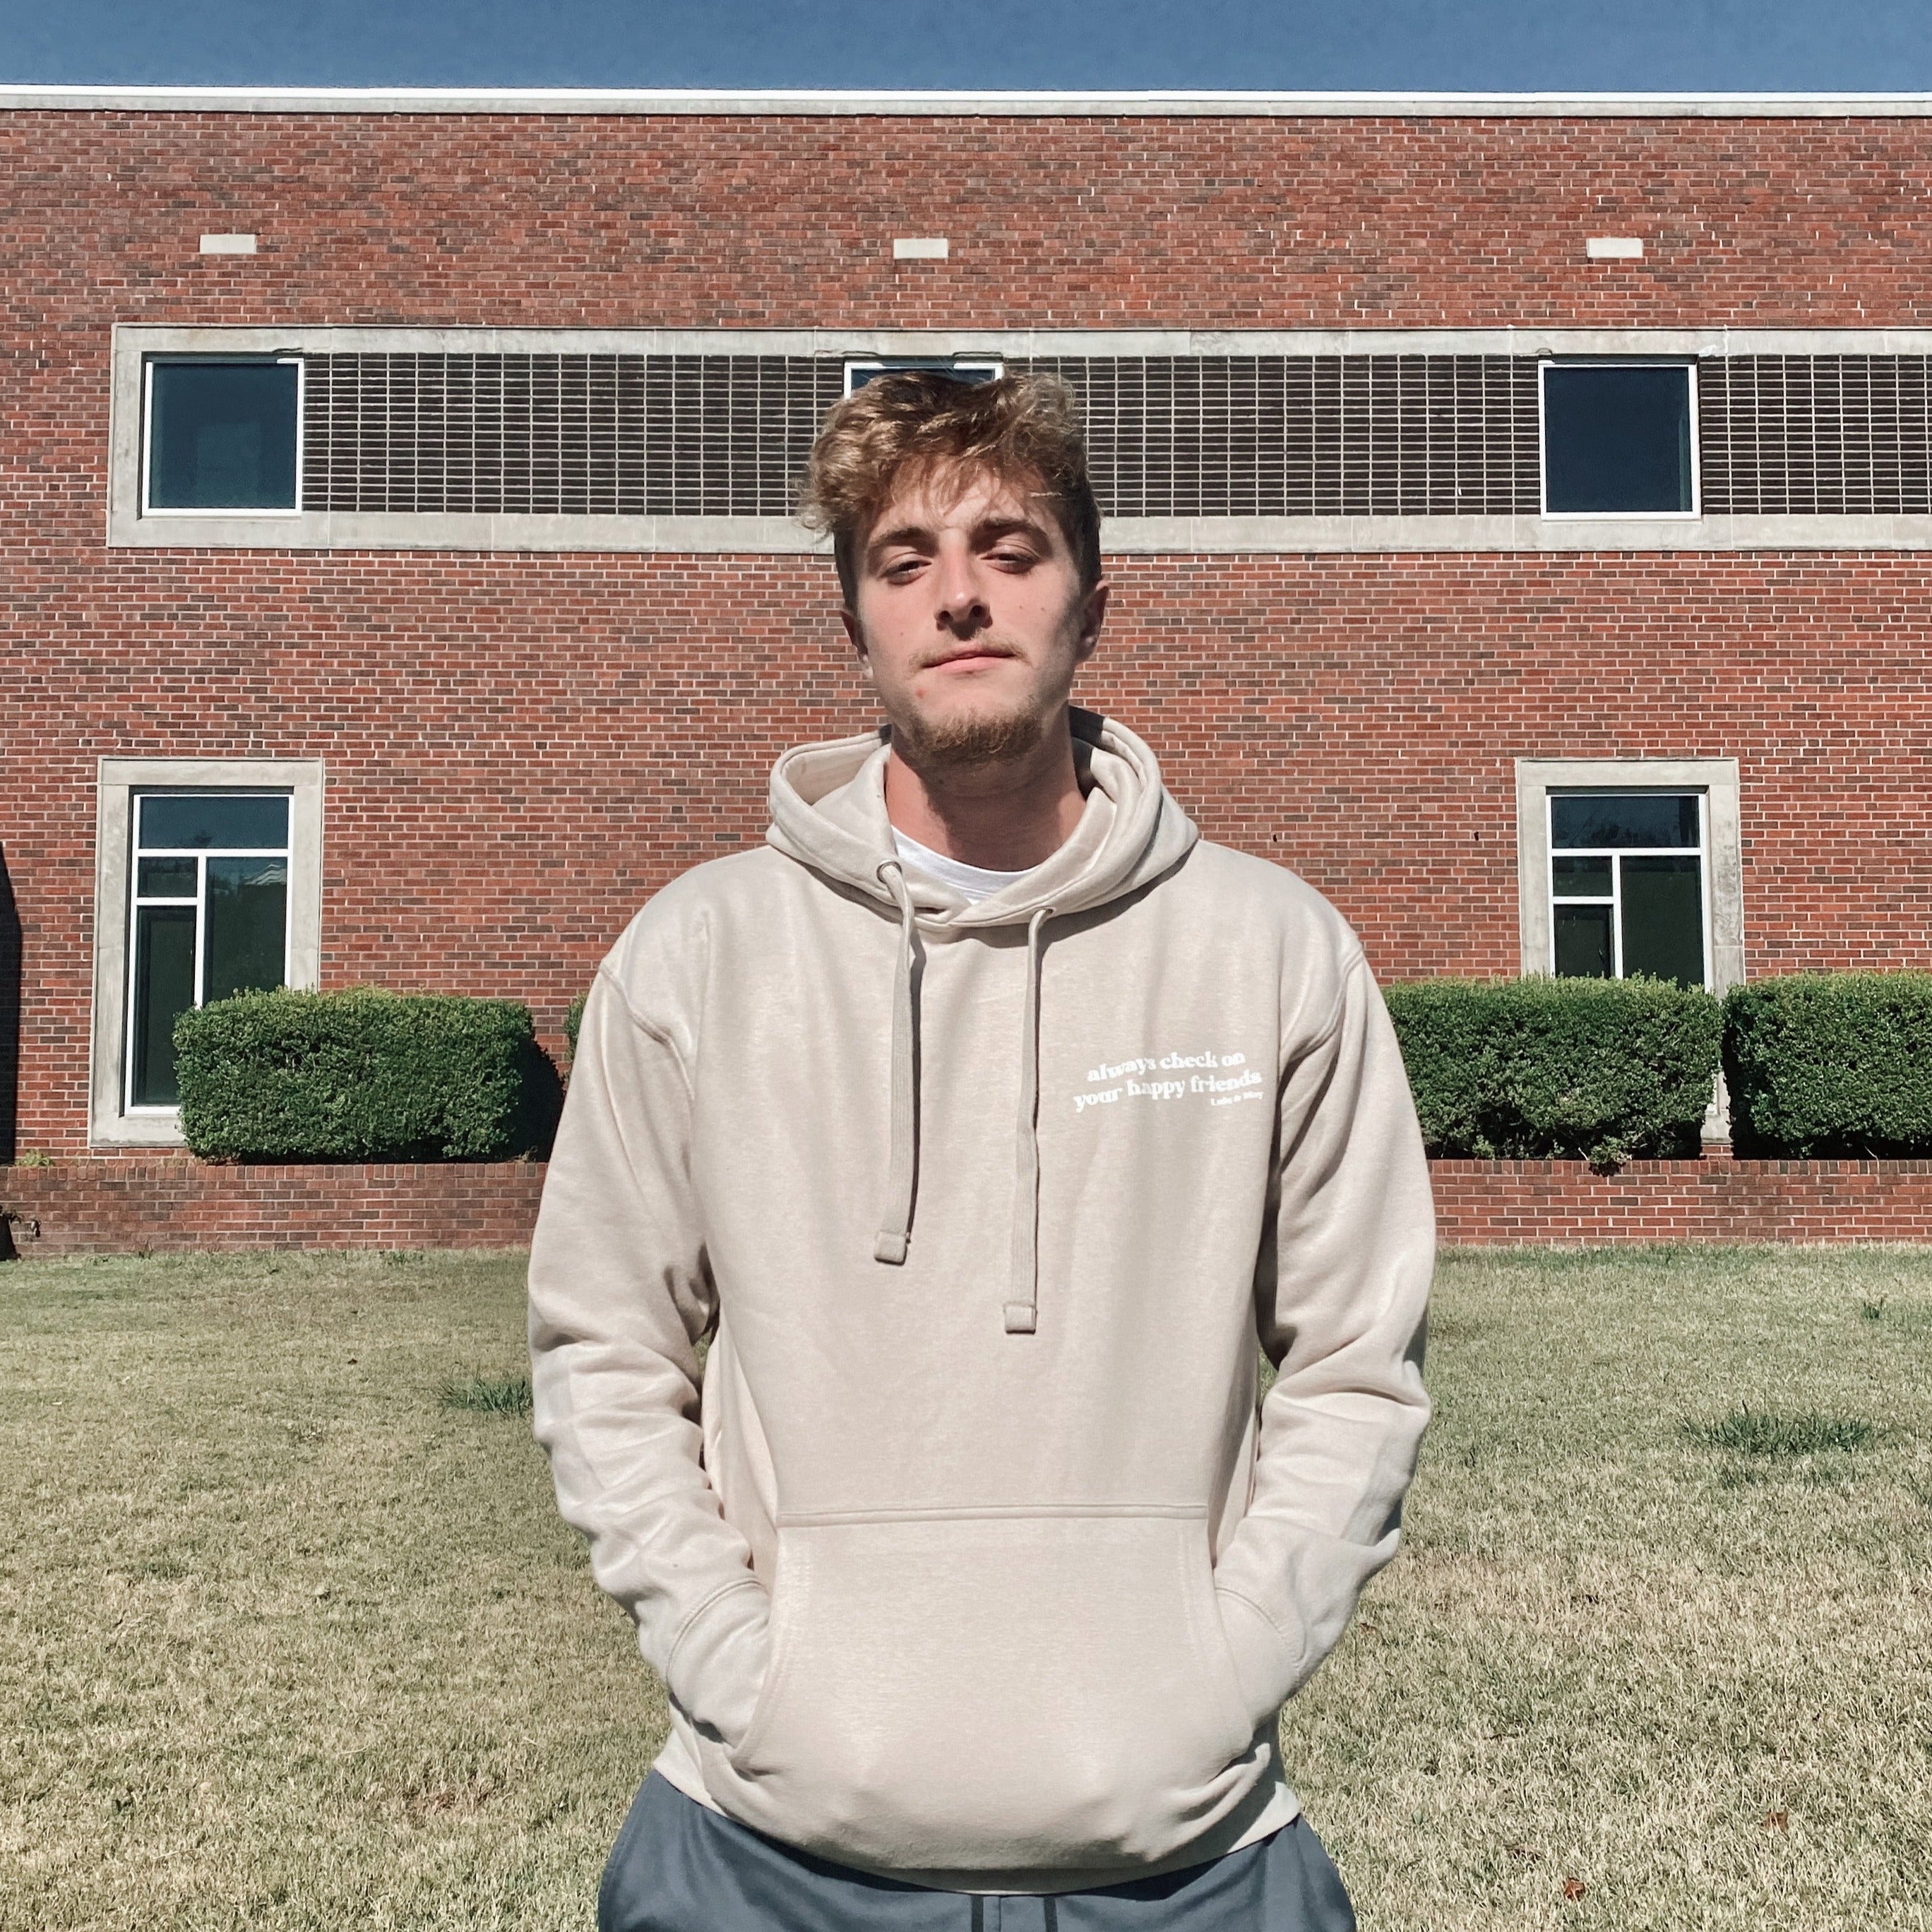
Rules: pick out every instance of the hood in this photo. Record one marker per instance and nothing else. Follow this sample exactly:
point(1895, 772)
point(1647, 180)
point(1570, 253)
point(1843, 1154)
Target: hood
point(829, 812)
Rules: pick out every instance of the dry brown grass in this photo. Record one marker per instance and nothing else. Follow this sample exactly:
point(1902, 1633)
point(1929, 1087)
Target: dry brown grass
point(287, 1640)
point(1694, 1680)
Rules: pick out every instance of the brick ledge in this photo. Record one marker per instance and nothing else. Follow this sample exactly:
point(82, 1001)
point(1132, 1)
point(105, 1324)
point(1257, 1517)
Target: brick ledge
point(116, 1204)
point(121, 1204)
point(1564, 1203)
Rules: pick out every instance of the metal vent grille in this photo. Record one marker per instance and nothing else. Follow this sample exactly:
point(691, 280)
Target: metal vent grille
point(1313, 436)
point(666, 436)
point(1815, 435)
point(728, 435)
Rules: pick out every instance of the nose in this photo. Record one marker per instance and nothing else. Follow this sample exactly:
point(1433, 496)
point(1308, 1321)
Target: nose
point(960, 605)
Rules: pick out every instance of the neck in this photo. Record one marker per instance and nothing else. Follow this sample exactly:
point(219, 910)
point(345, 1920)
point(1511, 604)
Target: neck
point(1004, 816)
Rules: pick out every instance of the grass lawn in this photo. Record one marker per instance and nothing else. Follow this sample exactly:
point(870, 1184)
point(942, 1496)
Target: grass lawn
point(287, 1640)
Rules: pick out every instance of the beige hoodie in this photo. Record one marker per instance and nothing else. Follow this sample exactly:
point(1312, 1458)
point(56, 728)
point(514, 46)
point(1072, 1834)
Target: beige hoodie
point(974, 1562)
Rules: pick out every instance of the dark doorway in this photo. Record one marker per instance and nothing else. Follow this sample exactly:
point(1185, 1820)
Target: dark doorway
point(10, 1014)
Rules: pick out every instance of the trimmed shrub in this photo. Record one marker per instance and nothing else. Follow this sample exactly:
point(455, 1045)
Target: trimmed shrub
point(573, 1024)
point(1832, 1065)
point(1603, 1070)
point(362, 1074)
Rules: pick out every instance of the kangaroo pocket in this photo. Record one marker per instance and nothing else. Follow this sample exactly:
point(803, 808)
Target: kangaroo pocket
point(994, 1692)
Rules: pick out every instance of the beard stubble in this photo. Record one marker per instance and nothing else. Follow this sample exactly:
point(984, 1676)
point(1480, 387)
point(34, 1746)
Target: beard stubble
point(979, 738)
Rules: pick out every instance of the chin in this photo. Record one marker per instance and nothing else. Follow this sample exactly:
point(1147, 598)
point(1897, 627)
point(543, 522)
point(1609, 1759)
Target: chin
point(976, 735)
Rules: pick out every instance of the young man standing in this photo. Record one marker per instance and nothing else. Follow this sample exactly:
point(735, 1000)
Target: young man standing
point(984, 1120)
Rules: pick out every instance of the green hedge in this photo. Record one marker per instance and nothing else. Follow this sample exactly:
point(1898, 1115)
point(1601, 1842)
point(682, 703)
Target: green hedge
point(362, 1074)
point(1604, 1070)
point(573, 1024)
point(1832, 1064)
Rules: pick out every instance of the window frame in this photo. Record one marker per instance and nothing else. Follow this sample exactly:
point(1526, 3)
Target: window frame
point(150, 361)
point(995, 366)
point(112, 1122)
point(1616, 856)
point(137, 851)
point(1546, 363)
point(1724, 866)
point(1717, 778)
point(1536, 779)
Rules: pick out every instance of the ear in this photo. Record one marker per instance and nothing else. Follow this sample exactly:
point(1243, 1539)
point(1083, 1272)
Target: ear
point(857, 638)
point(1093, 615)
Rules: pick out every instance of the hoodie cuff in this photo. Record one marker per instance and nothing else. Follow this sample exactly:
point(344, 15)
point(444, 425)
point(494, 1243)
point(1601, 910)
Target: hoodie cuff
point(717, 1666)
point(1265, 1664)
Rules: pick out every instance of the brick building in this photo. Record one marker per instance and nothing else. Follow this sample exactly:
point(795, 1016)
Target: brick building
point(1519, 509)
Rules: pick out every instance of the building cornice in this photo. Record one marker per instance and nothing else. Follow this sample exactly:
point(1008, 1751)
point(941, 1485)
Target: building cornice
point(780, 102)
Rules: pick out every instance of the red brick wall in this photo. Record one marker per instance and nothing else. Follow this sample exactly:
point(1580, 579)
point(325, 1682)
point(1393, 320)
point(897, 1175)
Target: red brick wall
point(735, 223)
point(519, 749)
point(130, 1205)
point(118, 1207)
point(1561, 1203)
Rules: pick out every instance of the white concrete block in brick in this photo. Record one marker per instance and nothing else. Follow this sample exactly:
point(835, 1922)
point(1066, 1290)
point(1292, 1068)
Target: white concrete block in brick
point(228, 244)
point(920, 248)
point(1614, 248)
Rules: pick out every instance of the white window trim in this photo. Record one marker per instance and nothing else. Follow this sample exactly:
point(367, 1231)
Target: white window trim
point(1717, 778)
point(144, 457)
point(110, 1124)
point(1550, 362)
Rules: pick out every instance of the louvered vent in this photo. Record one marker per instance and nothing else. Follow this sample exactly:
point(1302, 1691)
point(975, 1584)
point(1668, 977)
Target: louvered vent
point(1815, 435)
point(728, 435)
point(666, 436)
point(1309, 436)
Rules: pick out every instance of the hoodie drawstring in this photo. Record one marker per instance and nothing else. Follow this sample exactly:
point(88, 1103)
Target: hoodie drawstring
point(1022, 1308)
point(894, 1238)
point(896, 1226)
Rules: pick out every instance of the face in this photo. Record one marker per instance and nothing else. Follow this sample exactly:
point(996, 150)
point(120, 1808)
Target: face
point(969, 619)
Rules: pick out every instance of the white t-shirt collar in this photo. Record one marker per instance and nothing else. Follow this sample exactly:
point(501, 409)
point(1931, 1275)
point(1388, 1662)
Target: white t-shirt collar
point(972, 882)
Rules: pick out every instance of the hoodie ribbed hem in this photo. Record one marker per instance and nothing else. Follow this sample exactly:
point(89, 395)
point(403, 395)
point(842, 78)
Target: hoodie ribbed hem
point(1271, 1805)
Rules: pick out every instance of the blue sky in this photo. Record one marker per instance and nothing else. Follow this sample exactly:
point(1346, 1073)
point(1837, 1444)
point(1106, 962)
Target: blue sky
point(1710, 44)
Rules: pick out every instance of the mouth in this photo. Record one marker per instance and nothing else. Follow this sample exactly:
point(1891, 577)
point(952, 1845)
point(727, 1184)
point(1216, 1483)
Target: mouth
point(971, 657)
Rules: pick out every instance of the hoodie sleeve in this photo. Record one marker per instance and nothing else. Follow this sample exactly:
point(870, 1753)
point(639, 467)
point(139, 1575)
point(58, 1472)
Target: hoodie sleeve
point(1340, 1294)
point(620, 1291)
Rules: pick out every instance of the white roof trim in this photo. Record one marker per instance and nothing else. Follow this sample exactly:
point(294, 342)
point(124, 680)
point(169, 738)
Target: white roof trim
point(781, 101)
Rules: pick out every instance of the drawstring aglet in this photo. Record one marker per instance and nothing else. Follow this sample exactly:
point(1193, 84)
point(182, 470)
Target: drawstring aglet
point(1022, 1318)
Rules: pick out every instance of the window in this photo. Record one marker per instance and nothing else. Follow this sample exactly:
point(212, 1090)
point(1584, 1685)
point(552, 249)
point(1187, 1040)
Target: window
point(1632, 866)
point(1619, 439)
point(1628, 865)
point(858, 374)
point(208, 882)
point(1627, 886)
point(210, 917)
point(222, 436)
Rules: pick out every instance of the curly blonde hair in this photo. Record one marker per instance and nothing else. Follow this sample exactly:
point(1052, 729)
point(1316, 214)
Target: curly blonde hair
point(1025, 429)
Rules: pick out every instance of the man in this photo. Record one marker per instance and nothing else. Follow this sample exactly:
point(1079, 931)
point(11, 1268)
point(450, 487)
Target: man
point(984, 1120)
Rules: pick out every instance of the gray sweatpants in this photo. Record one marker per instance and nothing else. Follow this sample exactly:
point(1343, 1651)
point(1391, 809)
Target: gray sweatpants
point(678, 1867)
